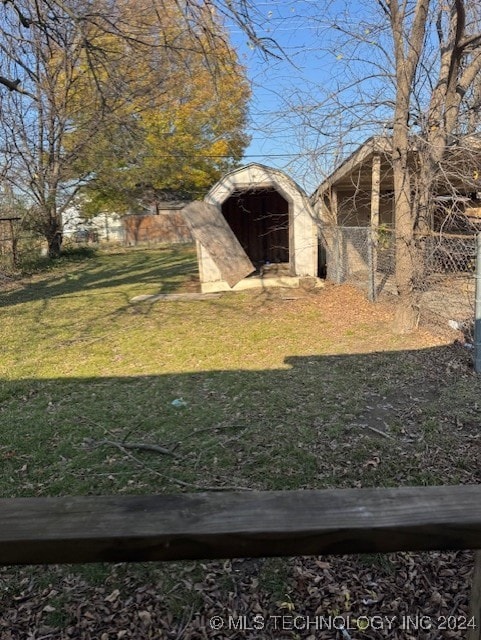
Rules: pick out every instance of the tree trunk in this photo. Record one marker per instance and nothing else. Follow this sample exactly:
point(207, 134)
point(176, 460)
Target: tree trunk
point(54, 238)
point(407, 312)
point(407, 309)
point(423, 213)
point(425, 175)
point(407, 59)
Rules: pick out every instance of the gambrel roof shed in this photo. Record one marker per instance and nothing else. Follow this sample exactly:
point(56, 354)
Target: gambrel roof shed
point(253, 218)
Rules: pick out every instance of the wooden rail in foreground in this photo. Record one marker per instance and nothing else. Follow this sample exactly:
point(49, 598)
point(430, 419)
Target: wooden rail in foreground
point(247, 524)
point(250, 524)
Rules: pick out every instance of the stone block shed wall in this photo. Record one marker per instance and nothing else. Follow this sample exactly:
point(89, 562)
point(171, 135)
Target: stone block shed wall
point(302, 224)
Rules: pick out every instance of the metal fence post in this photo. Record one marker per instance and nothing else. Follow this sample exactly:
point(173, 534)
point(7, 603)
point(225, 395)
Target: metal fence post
point(339, 257)
point(372, 263)
point(477, 308)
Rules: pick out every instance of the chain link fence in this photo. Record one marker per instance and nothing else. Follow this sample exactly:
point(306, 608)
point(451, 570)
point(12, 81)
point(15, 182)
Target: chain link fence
point(444, 280)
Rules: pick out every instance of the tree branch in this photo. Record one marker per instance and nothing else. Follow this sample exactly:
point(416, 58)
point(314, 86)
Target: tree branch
point(24, 21)
point(14, 85)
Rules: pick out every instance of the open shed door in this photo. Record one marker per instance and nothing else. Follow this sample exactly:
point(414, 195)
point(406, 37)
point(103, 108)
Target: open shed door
point(210, 228)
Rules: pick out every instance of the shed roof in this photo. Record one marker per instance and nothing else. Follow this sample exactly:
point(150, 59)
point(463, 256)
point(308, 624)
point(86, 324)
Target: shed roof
point(256, 176)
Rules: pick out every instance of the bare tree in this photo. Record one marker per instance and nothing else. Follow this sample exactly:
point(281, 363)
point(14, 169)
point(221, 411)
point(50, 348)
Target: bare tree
point(59, 92)
point(457, 76)
point(43, 51)
point(409, 70)
point(70, 69)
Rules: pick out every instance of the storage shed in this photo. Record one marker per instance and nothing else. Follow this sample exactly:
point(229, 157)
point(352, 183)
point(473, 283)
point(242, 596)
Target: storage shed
point(256, 228)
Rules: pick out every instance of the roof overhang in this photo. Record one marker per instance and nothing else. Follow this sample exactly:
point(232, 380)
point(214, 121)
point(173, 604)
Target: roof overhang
point(356, 169)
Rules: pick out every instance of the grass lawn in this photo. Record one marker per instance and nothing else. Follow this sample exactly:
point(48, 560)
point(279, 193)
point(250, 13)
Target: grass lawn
point(278, 390)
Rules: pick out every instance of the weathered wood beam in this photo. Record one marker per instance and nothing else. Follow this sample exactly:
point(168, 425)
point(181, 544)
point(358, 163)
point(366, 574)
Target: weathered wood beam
point(334, 209)
point(375, 190)
point(250, 524)
point(377, 144)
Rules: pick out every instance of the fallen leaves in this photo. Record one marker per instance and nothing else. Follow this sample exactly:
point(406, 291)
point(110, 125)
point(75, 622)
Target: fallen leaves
point(113, 596)
point(176, 601)
point(146, 604)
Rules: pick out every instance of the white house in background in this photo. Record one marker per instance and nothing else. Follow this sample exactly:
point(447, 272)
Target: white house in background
point(105, 227)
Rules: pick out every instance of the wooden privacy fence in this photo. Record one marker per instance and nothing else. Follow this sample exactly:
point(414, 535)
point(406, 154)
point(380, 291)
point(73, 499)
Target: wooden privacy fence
point(9, 238)
point(243, 524)
point(168, 227)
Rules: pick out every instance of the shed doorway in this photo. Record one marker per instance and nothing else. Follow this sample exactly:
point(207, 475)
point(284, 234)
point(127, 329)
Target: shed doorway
point(259, 219)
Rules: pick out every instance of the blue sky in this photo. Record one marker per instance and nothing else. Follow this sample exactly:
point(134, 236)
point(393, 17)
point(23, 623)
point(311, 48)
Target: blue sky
point(311, 64)
point(275, 136)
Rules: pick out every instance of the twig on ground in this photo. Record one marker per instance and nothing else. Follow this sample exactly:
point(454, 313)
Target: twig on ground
point(141, 446)
point(129, 445)
point(378, 431)
point(126, 437)
point(211, 429)
point(181, 483)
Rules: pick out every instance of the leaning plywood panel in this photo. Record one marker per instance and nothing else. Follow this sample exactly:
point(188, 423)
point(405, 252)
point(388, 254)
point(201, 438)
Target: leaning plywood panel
point(210, 228)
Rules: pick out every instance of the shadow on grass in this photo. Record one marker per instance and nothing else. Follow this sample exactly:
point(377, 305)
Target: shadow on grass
point(169, 268)
point(380, 419)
